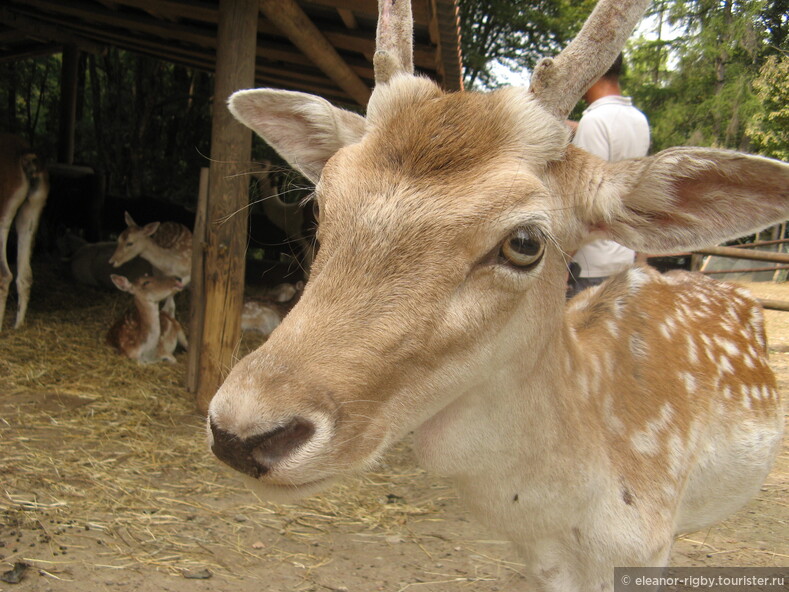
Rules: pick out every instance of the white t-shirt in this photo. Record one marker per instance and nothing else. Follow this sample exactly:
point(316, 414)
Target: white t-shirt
point(612, 129)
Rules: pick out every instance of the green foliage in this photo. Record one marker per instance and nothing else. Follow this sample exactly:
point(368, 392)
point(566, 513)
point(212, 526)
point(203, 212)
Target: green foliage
point(29, 100)
point(697, 89)
point(142, 122)
point(514, 34)
point(769, 126)
point(147, 123)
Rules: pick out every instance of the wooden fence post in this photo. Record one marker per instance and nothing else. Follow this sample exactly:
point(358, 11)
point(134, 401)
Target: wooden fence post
point(228, 196)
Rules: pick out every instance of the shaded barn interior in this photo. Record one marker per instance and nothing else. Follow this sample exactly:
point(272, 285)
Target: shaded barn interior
point(323, 47)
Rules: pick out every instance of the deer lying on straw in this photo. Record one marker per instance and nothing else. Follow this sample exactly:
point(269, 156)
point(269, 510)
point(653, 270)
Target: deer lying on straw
point(591, 434)
point(143, 332)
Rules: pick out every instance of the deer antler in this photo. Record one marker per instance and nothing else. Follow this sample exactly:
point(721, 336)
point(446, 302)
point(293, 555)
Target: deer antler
point(393, 40)
point(560, 82)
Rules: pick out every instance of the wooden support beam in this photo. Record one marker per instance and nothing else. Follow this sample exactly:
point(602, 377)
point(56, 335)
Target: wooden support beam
point(29, 52)
point(68, 104)
point(224, 243)
point(196, 287)
point(348, 19)
point(39, 30)
point(296, 25)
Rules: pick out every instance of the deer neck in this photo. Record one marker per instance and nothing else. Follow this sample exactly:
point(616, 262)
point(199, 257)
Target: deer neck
point(526, 407)
point(150, 327)
point(161, 258)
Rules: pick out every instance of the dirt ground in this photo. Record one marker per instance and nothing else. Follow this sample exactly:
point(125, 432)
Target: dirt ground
point(106, 485)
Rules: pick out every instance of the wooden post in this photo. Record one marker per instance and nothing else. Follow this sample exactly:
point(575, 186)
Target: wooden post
point(224, 248)
point(68, 104)
point(197, 302)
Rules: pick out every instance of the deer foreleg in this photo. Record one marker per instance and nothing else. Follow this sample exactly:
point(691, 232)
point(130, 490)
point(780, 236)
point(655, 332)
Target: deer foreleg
point(26, 226)
point(5, 272)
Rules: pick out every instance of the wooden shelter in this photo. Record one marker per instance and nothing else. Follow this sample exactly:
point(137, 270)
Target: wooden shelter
point(323, 47)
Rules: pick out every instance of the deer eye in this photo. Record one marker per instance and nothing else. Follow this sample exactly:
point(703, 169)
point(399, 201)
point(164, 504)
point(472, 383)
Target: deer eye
point(523, 249)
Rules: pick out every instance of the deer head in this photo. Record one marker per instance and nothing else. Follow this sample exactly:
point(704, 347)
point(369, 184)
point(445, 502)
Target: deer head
point(445, 220)
point(132, 241)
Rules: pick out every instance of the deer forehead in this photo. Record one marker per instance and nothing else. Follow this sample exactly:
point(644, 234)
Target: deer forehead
point(444, 164)
point(417, 130)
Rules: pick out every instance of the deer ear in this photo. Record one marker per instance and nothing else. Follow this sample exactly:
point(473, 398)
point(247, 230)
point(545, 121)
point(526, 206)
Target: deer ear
point(129, 220)
point(121, 282)
point(688, 198)
point(304, 129)
point(151, 228)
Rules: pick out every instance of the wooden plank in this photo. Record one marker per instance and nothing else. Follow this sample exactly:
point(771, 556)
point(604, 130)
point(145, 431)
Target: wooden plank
point(148, 25)
point(370, 8)
point(268, 50)
point(228, 196)
point(40, 30)
point(172, 10)
point(23, 53)
point(745, 254)
point(291, 20)
point(424, 55)
point(744, 270)
point(449, 61)
point(302, 76)
point(774, 304)
point(348, 19)
point(197, 302)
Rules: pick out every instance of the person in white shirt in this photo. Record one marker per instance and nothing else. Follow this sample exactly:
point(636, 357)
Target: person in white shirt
point(613, 129)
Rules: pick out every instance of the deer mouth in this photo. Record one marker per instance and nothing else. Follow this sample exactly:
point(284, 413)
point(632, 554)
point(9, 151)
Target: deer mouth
point(286, 461)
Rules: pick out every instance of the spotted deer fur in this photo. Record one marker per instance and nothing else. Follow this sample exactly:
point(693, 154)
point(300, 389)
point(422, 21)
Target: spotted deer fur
point(589, 433)
point(24, 186)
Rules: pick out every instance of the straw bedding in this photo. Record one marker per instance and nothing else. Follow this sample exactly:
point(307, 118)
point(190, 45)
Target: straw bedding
point(99, 448)
point(105, 455)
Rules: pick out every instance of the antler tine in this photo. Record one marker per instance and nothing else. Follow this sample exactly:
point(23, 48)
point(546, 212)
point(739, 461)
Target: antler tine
point(560, 82)
point(394, 40)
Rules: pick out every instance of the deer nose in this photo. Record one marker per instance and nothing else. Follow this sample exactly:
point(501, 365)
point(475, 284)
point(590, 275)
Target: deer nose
point(256, 455)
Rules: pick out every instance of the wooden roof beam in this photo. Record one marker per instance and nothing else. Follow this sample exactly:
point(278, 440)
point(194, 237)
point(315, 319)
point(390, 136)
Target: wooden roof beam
point(302, 32)
point(39, 30)
point(30, 52)
point(348, 19)
point(370, 8)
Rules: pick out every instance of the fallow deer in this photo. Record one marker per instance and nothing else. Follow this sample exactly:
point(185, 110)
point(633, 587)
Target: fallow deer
point(589, 434)
point(264, 314)
point(24, 186)
point(143, 332)
point(89, 265)
point(167, 246)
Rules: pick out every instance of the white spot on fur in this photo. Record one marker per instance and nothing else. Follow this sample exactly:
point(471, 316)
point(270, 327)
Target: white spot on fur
point(724, 365)
point(729, 347)
point(637, 347)
point(636, 278)
point(676, 454)
point(647, 441)
point(689, 380)
point(693, 352)
point(613, 423)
